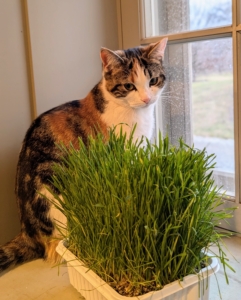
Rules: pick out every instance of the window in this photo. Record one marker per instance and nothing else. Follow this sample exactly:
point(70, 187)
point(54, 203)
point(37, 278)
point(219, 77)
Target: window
point(202, 99)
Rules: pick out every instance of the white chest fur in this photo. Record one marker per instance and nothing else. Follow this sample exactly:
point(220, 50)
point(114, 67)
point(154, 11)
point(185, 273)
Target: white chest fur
point(119, 112)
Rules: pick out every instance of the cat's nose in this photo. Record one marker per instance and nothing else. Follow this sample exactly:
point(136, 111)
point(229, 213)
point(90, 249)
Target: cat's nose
point(146, 100)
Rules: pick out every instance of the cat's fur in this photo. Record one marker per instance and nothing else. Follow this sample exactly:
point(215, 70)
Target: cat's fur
point(131, 83)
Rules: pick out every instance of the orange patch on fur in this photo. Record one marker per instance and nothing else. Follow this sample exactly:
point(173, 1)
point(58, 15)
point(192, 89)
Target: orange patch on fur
point(88, 116)
point(50, 251)
point(57, 121)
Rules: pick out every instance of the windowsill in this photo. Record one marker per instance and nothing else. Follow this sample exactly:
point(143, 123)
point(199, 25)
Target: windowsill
point(231, 291)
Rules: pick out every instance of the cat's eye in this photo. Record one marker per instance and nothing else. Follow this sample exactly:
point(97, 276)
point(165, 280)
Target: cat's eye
point(129, 86)
point(154, 81)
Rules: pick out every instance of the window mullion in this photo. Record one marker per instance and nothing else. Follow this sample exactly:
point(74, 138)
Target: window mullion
point(237, 109)
point(236, 98)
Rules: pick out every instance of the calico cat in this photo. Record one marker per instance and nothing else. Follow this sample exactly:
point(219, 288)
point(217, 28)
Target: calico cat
point(132, 81)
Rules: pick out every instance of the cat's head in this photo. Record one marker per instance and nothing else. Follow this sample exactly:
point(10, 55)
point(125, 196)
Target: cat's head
point(135, 77)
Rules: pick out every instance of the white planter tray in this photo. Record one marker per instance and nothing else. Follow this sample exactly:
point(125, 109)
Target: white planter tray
point(92, 287)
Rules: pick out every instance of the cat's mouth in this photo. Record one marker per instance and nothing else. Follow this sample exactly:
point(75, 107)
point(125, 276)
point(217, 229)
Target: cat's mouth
point(141, 104)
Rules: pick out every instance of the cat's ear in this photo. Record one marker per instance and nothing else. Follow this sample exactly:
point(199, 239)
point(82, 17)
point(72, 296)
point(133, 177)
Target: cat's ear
point(156, 50)
point(109, 58)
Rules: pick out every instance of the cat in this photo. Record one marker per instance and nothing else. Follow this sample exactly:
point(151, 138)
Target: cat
point(132, 81)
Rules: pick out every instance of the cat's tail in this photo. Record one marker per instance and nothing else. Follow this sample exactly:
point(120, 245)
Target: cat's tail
point(19, 250)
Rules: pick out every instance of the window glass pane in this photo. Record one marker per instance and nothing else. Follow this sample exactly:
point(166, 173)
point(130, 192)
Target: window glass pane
point(197, 102)
point(174, 16)
point(212, 100)
point(209, 13)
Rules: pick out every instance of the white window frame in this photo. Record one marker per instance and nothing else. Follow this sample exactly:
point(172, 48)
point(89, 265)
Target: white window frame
point(131, 24)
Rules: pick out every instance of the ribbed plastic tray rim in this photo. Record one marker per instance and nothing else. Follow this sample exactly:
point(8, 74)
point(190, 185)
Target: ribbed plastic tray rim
point(104, 291)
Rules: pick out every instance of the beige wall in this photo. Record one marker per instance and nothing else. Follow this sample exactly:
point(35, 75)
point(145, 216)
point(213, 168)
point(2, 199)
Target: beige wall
point(66, 37)
point(14, 111)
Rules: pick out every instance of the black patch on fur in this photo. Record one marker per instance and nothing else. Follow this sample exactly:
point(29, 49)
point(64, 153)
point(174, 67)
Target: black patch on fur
point(47, 228)
point(130, 65)
point(36, 123)
point(3, 256)
point(143, 62)
point(75, 103)
point(119, 91)
point(99, 100)
point(63, 107)
point(19, 258)
point(5, 265)
point(40, 207)
point(149, 72)
point(74, 123)
point(133, 53)
point(31, 227)
point(115, 88)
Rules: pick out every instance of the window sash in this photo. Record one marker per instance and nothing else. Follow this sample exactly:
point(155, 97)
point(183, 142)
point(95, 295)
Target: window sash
point(134, 18)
